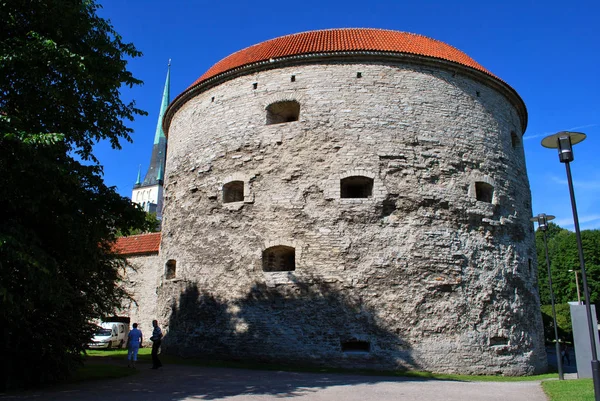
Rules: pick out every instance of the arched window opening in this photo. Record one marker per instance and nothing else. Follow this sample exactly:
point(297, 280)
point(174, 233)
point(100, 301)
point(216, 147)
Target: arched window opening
point(514, 139)
point(283, 112)
point(484, 192)
point(233, 192)
point(356, 187)
point(356, 346)
point(279, 259)
point(171, 269)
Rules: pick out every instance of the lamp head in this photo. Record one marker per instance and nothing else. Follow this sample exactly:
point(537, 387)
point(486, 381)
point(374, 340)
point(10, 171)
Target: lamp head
point(542, 220)
point(563, 141)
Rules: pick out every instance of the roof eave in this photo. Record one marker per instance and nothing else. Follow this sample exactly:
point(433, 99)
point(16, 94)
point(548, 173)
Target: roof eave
point(348, 56)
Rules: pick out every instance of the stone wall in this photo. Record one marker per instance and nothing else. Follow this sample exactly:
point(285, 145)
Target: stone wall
point(142, 279)
point(420, 275)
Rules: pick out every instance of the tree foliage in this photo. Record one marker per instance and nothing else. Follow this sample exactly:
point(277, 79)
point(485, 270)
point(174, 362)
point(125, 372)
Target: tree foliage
point(61, 70)
point(152, 225)
point(564, 256)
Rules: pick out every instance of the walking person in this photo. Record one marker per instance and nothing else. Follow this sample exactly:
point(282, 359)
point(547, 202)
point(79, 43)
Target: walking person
point(134, 341)
point(156, 340)
point(564, 353)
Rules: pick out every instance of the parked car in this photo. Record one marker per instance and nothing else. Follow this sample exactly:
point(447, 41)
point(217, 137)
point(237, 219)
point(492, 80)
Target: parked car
point(110, 335)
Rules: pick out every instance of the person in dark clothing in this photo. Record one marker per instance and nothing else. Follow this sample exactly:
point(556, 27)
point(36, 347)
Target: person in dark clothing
point(156, 340)
point(564, 354)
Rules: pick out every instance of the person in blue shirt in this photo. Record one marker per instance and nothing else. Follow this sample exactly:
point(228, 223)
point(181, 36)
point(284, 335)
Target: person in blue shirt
point(156, 340)
point(134, 341)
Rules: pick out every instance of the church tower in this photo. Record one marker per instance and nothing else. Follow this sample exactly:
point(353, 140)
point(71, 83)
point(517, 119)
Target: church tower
point(149, 192)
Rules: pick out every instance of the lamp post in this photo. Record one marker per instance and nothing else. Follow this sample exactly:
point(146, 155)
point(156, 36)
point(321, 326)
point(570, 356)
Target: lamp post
point(577, 284)
point(563, 141)
point(542, 220)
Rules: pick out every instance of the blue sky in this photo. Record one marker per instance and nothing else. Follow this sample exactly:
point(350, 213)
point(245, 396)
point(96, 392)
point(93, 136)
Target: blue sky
point(548, 51)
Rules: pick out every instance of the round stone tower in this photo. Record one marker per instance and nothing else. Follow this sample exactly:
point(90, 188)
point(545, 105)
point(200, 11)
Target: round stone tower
point(355, 198)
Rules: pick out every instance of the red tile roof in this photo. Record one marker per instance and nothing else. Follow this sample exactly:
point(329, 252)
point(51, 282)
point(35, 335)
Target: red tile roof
point(138, 244)
point(342, 40)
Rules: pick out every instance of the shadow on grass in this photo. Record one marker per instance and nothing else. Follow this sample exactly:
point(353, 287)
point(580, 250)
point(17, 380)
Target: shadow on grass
point(211, 380)
point(119, 357)
point(100, 371)
point(182, 378)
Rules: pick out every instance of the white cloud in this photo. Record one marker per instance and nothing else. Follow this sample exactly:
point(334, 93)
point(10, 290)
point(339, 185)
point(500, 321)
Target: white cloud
point(528, 137)
point(577, 183)
point(590, 222)
point(545, 134)
point(581, 127)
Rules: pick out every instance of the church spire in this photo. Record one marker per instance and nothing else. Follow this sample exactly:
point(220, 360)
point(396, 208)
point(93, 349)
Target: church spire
point(149, 192)
point(163, 106)
point(155, 173)
point(159, 176)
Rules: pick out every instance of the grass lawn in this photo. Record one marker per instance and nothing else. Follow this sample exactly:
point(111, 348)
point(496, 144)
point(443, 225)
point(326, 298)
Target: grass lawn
point(96, 368)
point(143, 354)
point(145, 357)
point(569, 390)
point(100, 372)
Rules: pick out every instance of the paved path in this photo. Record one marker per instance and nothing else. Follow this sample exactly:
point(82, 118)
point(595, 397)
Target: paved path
point(178, 382)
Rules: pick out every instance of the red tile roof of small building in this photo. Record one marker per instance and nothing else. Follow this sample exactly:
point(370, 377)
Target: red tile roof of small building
point(342, 40)
point(138, 244)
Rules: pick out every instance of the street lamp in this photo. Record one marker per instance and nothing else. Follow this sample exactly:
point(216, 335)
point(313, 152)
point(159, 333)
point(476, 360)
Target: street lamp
point(542, 220)
point(563, 141)
point(577, 284)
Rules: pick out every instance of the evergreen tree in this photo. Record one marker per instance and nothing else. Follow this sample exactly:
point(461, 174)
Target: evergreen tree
point(61, 69)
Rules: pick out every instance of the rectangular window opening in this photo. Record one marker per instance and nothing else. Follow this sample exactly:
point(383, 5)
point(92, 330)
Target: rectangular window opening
point(356, 346)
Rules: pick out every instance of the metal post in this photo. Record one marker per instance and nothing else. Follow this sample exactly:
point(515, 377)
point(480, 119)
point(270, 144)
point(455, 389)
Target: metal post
point(586, 292)
point(577, 284)
point(558, 355)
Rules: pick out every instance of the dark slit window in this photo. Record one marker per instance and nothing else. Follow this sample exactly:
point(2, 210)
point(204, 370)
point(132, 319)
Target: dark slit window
point(484, 192)
point(233, 192)
point(279, 259)
point(171, 269)
point(283, 112)
point(356, 187)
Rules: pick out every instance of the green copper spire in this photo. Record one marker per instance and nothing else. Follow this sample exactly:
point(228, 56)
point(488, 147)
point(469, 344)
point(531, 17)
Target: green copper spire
point(139, 179)
point(156, 169)
point(159, 176)
point(163, 106)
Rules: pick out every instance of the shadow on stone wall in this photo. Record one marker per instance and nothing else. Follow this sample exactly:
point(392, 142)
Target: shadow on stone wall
point(311, 324)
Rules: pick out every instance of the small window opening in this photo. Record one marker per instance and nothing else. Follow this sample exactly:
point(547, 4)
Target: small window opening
point(359, 75)
point(445, 288)
point(212, 99)
point(293, 78)
point(478, 94)
point(279, 259)
point(356, 346)
point(171, 269)
point(498, 340)
point(514, 139)
point(484, 192)
point(530, 265)
point(283, 112)
point(255, 85)
point(356, 187)
point(233, 192)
